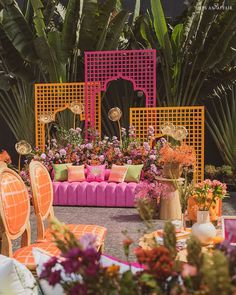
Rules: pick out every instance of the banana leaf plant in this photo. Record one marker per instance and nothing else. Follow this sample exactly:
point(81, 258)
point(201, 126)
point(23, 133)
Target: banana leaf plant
point(44, 42)
point(222, 124)
point(195, 56)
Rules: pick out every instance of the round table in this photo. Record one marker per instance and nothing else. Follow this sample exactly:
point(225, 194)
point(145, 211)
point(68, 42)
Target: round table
point(170, 208)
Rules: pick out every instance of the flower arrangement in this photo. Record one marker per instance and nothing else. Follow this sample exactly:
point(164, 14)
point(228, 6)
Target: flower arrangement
point(183, 155)
point(79, 269)
point(147, 198)
point(71, 147)
point(207, 192)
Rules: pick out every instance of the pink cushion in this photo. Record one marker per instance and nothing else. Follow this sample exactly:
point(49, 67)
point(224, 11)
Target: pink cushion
point(118, 173)
point(76, 173)
point(96, 173)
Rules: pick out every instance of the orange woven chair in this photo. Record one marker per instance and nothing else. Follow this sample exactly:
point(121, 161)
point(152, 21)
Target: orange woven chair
point(42, 200)
point(14, 219)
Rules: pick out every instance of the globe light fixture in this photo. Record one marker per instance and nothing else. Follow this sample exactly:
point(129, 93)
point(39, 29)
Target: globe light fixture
point(77, 108)
point(23, 148)
point(115, 115)
point(47, 118)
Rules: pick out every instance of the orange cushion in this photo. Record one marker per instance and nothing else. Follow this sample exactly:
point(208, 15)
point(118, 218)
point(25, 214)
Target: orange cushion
point(80, 229)
point(25, 256)
point(118, 173)
point(76, 173)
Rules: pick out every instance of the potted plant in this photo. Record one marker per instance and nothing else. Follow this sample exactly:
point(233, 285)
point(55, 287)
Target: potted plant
point(175, 158)
point(147, 198)
point(206, 194)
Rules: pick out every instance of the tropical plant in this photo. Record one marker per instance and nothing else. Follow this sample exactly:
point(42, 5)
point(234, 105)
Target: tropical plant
point(44, 42)
point(221, 123)
point(195, 56)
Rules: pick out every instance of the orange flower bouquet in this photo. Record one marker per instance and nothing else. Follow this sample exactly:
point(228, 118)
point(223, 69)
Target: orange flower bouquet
point(183, 155)
point(174, 158)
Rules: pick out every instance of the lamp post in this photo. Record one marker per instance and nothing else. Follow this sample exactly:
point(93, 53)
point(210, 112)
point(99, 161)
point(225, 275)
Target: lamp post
point(46, 119)
point(77, 108)
point(114, 115)
point(23, 148)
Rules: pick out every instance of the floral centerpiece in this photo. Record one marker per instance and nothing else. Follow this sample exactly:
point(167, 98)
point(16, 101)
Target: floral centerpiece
point(147, 198)
point(175, 158)
point(79, 269)
point(206, 195)
point(208, 192)
point(71, 147)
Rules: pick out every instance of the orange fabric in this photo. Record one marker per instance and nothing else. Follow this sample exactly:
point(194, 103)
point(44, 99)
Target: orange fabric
point(76, 173)
point(24, 255)
point(43, 189)
point(15, 202)
point(118, 173)
point(215, 210)
point(80, 229)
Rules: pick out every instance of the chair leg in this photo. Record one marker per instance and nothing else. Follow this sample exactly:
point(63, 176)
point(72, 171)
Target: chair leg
point(6, 247)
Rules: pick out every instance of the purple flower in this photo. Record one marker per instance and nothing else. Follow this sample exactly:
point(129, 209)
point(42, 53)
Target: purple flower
point(71, 265)
point(117, 151)
point(153, 168)
point(43, 156)
point(152, 157)
point(73, 253)
point(79, 289)
point(62, 152)
point(89, 146)
point(146, 146)
point(114, 138)
point(88, 241)
point(129, 162)
point(101, 158)
point(54, 277)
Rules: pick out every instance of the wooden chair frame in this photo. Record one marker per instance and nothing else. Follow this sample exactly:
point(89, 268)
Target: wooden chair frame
point(24, 232)
point(50, 212)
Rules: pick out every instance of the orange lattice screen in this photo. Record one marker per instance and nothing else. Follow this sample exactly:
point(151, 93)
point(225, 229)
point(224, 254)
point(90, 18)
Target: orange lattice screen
point(190, 117)
point(56, 97)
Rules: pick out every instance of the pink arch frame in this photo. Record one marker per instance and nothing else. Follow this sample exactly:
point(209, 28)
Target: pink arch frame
point(136, 66)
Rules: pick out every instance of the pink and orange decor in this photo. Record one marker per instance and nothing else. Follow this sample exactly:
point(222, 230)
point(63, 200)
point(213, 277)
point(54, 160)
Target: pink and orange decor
point(14, 219)
point(137, 66)
point(42, 201)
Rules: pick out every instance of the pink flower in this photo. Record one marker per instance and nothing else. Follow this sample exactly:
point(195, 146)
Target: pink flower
point(88, 241)
point(189, 270)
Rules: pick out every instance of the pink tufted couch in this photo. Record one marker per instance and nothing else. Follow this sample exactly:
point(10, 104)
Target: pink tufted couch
point(100, 194)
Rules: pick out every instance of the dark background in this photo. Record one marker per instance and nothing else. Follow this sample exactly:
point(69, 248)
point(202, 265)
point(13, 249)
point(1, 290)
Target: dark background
point(172, 9)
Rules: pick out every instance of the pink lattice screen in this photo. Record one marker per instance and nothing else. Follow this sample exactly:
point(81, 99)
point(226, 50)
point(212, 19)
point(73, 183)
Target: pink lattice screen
point(137, 66)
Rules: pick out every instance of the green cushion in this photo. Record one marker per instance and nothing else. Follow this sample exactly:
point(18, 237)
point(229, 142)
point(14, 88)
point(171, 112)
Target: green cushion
point(60, 172)
point(133, 173)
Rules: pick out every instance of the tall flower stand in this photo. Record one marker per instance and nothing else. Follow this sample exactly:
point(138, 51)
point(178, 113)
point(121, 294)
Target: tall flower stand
point(170, 208)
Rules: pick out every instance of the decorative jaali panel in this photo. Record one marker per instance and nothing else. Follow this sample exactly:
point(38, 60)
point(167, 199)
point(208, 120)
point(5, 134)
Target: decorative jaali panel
point(137, 66)
point(193, 118)
point(55, 97)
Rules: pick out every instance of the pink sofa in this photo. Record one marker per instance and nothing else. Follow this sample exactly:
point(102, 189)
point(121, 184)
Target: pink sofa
point(99, 194)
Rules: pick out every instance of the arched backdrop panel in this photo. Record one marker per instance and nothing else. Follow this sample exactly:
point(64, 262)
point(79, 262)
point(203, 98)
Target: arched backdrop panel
point(56, 97)
point(192, 118)
point(137, 66)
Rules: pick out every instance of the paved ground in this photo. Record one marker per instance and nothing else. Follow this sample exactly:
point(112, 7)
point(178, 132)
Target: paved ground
point(116, 220)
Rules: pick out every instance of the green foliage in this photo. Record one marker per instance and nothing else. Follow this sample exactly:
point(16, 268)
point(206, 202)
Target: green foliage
point(36, 47)
point(221, 123)
point(169, 238)
point(215, 272)
point(194, 250)
point(193, 60)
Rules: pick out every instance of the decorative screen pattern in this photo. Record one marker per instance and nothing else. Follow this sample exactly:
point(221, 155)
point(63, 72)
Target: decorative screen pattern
point(137, 66)
point(56, 97)
point(193, 118)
